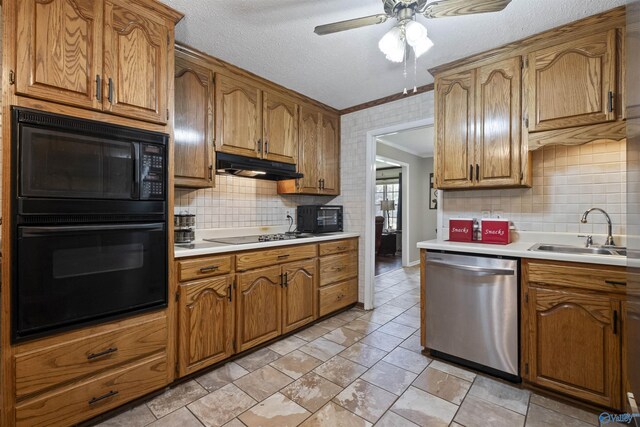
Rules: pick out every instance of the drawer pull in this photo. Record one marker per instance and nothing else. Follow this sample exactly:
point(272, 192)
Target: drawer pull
point(102, 353)
point(209, 269)
point(95, 400)
point(340, 297)
point(283, 256)
point(339, 268)
point(341, 248)
point(615, 282)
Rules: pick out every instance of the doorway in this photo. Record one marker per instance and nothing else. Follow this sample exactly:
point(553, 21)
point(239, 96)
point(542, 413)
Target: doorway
point(409, 217)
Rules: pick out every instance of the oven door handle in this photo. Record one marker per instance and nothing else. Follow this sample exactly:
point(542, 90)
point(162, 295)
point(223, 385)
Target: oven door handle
point(473, 268)
point(35, 231)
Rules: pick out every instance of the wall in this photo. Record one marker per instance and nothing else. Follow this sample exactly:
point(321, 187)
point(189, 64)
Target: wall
point(241, 202)
point(419, 170)
point(566, 182)
point(354, 128)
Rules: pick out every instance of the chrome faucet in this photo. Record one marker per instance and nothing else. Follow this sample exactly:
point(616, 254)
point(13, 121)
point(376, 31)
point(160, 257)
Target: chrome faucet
point(610, 241)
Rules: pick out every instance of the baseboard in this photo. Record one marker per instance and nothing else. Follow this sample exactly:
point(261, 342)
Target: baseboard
point(414, 263)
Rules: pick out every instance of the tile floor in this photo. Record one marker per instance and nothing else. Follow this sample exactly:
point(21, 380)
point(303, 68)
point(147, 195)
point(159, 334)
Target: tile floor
point(355, 369)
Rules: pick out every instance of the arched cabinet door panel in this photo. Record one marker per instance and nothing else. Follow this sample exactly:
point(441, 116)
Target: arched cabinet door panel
point(299, 294)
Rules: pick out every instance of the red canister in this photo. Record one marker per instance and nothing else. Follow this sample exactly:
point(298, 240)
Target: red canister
point(461, 229)
point(496, 230)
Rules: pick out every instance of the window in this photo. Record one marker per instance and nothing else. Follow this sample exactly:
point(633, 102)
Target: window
point(388, 191)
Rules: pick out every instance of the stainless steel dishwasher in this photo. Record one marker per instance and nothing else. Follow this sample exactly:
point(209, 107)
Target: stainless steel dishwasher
point(471, 311)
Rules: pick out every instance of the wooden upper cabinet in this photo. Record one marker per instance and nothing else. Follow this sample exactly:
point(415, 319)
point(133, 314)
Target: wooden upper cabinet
point(575, 345)
point(59, 50)
point(135, 62)
point(206, 323)
point(193, 125)
point(106, 55)
point(498, 112)
point(310, 120)
point(280, 128)
point(259, 313)
point(455, 130)
point(574, 83)
point(299, 294)
point(238, 117)
point(329, 155)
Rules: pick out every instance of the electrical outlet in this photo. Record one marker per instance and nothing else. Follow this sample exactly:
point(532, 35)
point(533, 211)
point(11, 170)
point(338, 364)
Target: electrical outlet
point(498, 213)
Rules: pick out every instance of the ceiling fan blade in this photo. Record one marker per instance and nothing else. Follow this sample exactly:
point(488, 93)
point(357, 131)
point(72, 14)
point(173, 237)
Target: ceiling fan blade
point(350, 24)
point(445, 8)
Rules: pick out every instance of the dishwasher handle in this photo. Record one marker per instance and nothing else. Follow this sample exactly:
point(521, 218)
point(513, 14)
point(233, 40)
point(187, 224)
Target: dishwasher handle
point(474, 269)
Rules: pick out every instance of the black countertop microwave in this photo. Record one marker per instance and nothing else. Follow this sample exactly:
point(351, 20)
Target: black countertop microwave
point(318, 219)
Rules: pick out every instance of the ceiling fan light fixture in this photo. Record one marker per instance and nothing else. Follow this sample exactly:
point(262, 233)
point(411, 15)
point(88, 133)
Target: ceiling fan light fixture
point(421, 47)
point(415, 33)
point(390, 41)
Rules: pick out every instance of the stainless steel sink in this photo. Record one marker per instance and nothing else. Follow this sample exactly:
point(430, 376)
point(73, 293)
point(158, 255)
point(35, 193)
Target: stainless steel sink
point(578, 250)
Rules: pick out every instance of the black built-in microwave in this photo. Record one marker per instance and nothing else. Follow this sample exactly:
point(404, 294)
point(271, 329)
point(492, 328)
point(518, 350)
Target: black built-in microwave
point(318, 219)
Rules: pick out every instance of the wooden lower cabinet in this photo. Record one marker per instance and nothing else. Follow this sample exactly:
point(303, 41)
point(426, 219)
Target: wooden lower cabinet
point(259, 313)
point(206, 323)
point(573, 339)
point(80, 401)
point(340, 295)
point(299, 294)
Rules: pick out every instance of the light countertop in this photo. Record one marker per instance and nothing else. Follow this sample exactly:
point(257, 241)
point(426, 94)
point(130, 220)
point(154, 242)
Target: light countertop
point(523, 241)
point(207, 248)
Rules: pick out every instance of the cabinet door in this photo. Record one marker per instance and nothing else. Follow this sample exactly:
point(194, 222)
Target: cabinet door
point(280, 128)
point(298, 296)
point(136, 42)
point(206, 323)
point(570, 83)
point(309, 149)
point(455, 130)
point(193, 125)
point(59, 50)
point(329, 155)
point(259, 315)
point(575, 344)
point(238, 117)
point(498, 112)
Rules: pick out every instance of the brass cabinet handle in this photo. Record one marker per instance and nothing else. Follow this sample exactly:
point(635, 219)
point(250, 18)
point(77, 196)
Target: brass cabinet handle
point(340, 296)
point(208, 269)
point(470, 172)
point(286, 280)
point(610, 107)
point(210, 172)
point(477, 172)
point(95, 400)
point(615, 322)
point(266, 146)
point(102, 353)
point(230, 296)
point(259, 146)
point(341, 248)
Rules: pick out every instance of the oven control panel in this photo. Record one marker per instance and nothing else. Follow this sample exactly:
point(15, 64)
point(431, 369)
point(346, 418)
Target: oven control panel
point(152, 172)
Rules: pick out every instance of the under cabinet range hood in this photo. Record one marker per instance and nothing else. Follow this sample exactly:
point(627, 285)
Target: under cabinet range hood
point(248, 167)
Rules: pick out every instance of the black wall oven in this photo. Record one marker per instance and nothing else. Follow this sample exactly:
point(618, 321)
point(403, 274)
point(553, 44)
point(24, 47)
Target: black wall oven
point(90, 232)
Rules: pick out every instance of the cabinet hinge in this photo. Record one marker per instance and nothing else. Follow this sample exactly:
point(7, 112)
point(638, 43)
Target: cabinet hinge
point(12, 77)
point(177, 296)
point(526, 297)
point(526, 368)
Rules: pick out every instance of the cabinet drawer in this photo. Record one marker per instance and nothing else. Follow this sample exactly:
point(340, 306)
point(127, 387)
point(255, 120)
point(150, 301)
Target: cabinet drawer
point(337, 296)
point(338, 246)
point(58, 364)
point(335, 268)
point(203, 267)
point(87, 399)
point(582, 276)
point(267, 257)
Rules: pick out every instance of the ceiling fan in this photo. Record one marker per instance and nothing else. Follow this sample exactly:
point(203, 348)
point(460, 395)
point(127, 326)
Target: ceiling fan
point(404, 10)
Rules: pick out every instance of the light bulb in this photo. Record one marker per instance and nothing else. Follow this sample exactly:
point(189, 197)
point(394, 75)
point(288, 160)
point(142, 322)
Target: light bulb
point(390, 40)
point(422, 47)
point(415, 32)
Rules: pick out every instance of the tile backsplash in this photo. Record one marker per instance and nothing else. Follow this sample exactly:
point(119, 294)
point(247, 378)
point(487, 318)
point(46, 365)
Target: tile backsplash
point(567, 180)
point(240, 202)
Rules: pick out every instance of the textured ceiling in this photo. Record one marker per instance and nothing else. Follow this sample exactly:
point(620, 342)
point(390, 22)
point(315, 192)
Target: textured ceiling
point(275, 39)
point(418, 142)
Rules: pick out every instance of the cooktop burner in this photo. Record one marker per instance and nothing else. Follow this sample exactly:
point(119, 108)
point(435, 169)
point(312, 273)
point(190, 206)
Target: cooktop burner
point(240, 240)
